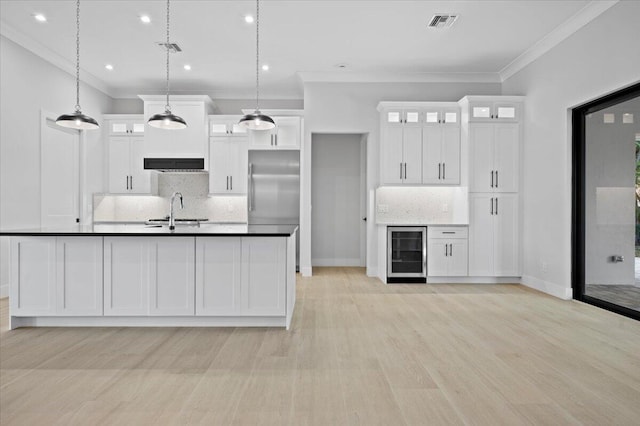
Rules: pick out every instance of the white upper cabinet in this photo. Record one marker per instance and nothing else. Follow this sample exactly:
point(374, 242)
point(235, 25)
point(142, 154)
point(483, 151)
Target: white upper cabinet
point(494, 157)
point(402, 117)
point(228, 166)
point(226, 125)
point(286, 135)
point(493, 108)
point(126, 165)
point(434, 115)
point(125, 126)
point(441, 155)
point(401, 155)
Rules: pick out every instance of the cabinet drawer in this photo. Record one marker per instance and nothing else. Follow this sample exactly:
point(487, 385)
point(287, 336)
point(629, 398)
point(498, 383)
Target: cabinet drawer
point(447, 232)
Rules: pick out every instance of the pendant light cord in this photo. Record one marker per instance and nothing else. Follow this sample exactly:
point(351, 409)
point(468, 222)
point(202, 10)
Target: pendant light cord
point(167, 106)
point(257, 56)
point(78, 109)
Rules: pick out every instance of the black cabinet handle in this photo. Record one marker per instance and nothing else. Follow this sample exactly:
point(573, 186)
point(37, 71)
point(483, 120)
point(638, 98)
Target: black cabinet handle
point(496, 205)
point(400, 171)
point(496, 180)
point(444, 170)
point(405, 171)
point(227, 183)
point(491, 205)
point(492, 178)
point(439, 170)
point(231, 182)
point(450, 249)
point(131, 182)
point(445, 250)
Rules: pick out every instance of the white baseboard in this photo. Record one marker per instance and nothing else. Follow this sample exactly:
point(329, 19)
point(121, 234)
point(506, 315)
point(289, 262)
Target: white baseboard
point(306, 271)
point(4, 291)
point(335, 262)
point(473, 280)
point(565, 293)
point(372, 272)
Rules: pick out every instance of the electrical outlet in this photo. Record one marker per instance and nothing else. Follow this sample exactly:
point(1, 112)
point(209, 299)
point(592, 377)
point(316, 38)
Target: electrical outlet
point(383, 208)
point(544, 267)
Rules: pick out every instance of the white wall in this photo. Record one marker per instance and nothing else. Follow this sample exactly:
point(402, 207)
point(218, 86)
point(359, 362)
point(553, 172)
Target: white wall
point(221, 106)
point(599, 58)
point(351, 108)
point(336, 199)
point(28, 85)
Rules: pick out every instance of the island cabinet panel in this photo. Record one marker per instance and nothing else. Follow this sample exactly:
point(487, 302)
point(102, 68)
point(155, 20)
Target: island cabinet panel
point(79, 276)
point(264, 280)
point(33, 277)
point(126, 276)
point(218, 272)
point(172, 276)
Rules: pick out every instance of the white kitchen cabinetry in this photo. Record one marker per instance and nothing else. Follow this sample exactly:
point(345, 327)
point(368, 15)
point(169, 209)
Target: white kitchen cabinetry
point(441, 154)
point(125, 126)
point(149, 276)
point(401, 154)
point(126, 165)
point(494, 157)
point(494, 235)
point(218, 272)
point(286, 135)
point(228, 164)
point(398, 116)
point(191, 142)
point(447, 251)
point(264, 276)
point(226, 125)
point(79, 276)
point(56, 276)
point(492, 110)
point(443, 115)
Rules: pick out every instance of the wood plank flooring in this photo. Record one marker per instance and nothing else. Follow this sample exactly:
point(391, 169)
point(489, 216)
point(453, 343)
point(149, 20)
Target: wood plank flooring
point(359, 353)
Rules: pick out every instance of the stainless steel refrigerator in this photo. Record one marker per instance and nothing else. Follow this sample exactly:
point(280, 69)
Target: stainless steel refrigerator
point(274, 190)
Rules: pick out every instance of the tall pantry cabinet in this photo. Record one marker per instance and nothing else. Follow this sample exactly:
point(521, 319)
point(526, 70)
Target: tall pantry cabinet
point(493, 131)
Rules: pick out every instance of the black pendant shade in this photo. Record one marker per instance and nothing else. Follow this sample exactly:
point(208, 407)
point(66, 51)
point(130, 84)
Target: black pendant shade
point(257, 121)
point(77, 120)
point(167, 121)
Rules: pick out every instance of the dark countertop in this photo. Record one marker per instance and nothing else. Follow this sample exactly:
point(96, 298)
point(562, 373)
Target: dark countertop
point(140, 230)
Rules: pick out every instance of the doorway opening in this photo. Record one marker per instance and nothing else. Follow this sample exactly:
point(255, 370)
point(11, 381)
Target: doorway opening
point(338, 199)
point(606, 202)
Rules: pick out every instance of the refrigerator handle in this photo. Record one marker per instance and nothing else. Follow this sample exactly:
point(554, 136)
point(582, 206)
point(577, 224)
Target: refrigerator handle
point(250, 189)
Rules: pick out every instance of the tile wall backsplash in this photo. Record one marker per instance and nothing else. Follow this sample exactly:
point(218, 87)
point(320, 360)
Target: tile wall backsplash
point(197, 203)
point(422, 205)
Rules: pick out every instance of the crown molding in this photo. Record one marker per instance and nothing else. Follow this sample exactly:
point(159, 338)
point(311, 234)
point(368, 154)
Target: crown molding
point(417, 77)
point(53, 58)
point(585, 15)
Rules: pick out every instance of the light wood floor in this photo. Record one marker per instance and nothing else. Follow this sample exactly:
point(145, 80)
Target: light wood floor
point(359, 352)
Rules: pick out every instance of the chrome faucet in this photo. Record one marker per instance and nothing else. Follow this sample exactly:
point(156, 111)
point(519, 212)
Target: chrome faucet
point(172, 219)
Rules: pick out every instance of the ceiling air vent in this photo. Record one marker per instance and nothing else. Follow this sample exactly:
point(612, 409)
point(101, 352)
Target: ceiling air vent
point(173, 47)
point(442, 21)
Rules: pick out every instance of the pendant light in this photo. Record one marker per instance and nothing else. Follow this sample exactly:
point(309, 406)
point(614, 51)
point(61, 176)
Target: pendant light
point(77, 120)
point(257, 120)
point(167, 120)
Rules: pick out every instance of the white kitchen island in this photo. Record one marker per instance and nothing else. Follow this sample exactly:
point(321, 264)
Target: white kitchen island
point(137, 275)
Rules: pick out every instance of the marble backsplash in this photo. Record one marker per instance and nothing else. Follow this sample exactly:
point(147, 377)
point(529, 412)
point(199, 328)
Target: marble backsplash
point(421, 205)
point(198, 204)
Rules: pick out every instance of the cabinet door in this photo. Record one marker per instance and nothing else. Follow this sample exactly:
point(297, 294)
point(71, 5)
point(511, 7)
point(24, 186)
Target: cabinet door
point(450, 155)
point(219, 165)
point(119, 158)
point(393, 117)
point(264, 279)
point(287, 135)
point(262, 138)
point(506, 156)
point(412, 154)
point(432, 154)
point(140, 179)
point(481, 155)
point(126, 276)
point(237, 165)
point(504, 111)
point(458, 258)
point(437, 258)
point(481, 235)
point(218, 272)
point(79, 276)
point(391, 152)
point(33, 276)
point(506, 241)
point(172, 276)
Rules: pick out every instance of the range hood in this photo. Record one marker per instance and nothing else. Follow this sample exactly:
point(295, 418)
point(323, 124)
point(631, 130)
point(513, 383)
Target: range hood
point(174, 164)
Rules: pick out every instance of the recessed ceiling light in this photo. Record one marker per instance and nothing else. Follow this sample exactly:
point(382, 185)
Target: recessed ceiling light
point(187, 67)
point(109, 67)
point(40, 17)
point(248, 19)
point(265, 67)
point(145, 19)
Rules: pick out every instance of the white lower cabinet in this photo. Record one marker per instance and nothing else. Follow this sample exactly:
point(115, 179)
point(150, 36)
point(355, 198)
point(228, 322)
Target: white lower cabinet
point(241, 276)
point(493, 235)
point(56, 276)
point(447, 252)
point(149, 276)
point(218, 271)
point(264, 279)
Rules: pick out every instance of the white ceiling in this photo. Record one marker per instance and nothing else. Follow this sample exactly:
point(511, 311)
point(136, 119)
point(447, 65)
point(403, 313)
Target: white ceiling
point(384, 38)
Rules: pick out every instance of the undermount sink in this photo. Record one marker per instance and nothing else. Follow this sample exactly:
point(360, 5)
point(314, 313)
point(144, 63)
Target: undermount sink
point(178, 222)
